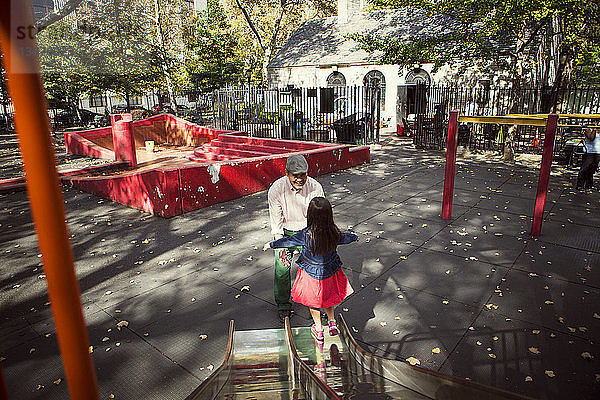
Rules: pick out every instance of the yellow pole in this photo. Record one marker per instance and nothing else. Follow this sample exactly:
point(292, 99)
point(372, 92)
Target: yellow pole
point(31, 119)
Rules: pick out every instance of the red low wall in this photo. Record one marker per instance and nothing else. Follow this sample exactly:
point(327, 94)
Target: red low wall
point(172, 192)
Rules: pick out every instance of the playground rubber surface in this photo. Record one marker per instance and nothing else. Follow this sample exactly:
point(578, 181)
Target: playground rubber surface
point(475, 296)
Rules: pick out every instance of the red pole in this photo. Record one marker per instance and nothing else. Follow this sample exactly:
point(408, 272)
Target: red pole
point(123, 139)
point(450, 165)
point(21, 63)
point(544, 179)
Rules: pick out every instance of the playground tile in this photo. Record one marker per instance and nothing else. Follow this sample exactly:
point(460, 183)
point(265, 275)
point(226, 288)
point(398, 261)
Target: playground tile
point(576, 215)
point(529, 191)
point(410, 325)
point(574, 198)
point(421, 208)
point(549, 302)
point(451, 277)
point(200, 337)
point(10, 325)
point(144, 308)
point(398, 231)
point(496, 223)
point(468, 241)
point(116, 353)
point(493, 173)
point(547, 259)
point(511, 204)
point(17, 337)
point(467, 198)
point(374, 256)
point(476, 184)
point(572, 235)
point(504, 353)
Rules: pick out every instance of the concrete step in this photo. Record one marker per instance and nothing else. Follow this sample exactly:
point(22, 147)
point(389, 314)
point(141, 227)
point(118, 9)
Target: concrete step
point(232, 152)
point(249, 147)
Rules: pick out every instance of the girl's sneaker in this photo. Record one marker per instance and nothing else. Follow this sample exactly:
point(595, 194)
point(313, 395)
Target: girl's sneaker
point(333, 329)
point(317, 335)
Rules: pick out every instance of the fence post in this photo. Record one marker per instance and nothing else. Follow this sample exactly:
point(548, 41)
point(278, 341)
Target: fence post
point(450, 165)
point(544, 178)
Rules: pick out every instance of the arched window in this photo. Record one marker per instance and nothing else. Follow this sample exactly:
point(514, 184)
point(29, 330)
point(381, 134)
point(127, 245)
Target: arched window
point(419, 76)
point(336, 79)
point(374, 79)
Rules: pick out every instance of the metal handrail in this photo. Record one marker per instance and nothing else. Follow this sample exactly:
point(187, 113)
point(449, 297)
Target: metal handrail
point(421, 380)
point(314, 387)
point(206, 390)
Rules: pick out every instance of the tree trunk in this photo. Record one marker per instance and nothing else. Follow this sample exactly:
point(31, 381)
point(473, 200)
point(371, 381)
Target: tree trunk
point(165, 68)
point(49, 19)
point(517, 62)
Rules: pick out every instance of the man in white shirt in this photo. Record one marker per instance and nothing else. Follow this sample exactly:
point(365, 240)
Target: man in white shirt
point(288, 203)
point(589, 164)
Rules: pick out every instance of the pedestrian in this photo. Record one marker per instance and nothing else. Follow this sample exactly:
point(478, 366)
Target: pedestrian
point(288, 203)
point(589, 164)
point(320, 281)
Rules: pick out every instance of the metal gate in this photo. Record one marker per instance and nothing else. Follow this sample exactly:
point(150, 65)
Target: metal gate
point(343, 114)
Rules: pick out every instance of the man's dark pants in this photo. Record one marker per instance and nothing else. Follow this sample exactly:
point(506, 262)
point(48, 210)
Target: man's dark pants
point(282, 285)
point(589, 165)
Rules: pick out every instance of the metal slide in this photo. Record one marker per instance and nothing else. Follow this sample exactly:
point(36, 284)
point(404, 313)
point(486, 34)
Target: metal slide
point(287, 364)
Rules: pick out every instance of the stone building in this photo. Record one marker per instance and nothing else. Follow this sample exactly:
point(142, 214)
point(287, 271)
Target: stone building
point(321, 53)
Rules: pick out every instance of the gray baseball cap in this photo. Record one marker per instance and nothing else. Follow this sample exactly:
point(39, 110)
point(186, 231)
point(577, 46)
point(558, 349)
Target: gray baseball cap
point(296, 164)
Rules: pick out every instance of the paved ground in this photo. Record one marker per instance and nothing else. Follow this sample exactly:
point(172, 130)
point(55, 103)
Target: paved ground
point(503, 308)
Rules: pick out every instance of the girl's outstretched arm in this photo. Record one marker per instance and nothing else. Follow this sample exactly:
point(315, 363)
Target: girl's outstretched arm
point(348, 237)
point(296, 239)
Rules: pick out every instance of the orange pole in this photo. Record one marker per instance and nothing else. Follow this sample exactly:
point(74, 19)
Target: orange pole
point(3, 390)
point(21, 63)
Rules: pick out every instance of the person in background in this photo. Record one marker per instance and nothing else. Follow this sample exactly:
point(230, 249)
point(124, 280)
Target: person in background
point(320, 281)
point(589, 164)
point(289, 197)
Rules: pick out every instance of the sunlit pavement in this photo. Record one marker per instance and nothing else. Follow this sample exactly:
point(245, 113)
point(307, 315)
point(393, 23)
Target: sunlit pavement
point(475, 296)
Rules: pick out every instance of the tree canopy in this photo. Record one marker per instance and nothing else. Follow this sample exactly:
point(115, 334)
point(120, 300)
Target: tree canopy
point(544, 42)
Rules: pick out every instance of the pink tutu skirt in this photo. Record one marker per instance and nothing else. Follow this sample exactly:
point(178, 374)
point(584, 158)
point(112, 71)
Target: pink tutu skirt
point(321, 293)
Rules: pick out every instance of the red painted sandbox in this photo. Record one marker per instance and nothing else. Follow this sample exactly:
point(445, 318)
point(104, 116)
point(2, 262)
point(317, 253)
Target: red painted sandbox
point(192, 166)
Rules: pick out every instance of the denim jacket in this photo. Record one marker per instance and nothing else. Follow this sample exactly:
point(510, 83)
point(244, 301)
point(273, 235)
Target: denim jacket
point(317, 266)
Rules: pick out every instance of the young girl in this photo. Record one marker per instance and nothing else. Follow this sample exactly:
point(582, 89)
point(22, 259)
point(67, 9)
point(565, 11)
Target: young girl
point(320, 281)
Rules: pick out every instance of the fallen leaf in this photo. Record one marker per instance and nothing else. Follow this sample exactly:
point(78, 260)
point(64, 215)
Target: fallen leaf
point(586, 355)
point(383, 323)
point(122, 324)
point(91, 349)
point(245, 288)
point(435, 350)
point(550, 373)
point(492, 355)
point(413, 361)
point(395, 332)
point(56, 382)
point(534, 350)
point(528, 378)
point(105, 339)
point(203, 337)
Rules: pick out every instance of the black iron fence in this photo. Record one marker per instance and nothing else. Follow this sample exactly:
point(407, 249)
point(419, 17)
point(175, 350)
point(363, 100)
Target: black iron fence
point(432, 104)
point(326, 114)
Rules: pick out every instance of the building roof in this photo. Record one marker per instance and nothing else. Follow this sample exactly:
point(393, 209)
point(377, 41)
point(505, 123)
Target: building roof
point(324, 41)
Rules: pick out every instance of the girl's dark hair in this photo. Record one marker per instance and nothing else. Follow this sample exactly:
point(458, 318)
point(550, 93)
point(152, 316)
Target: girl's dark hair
point(323, 233)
